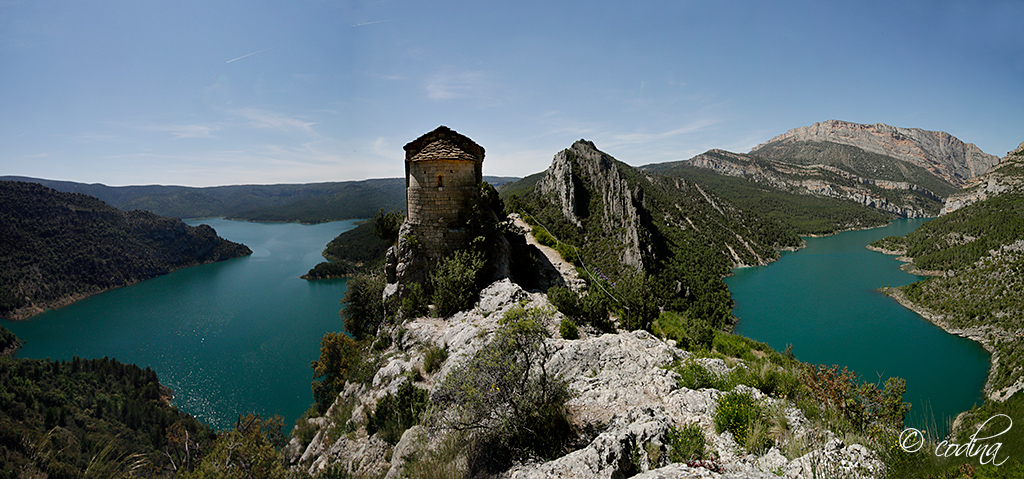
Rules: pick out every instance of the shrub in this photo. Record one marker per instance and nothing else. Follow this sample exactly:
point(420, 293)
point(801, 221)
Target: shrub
point(414, 303)
point(686, 443)
point(396, 413)
point(543, 237)
point(364, 306)
point(455, 282)
point(638, 305)
point(736, 412)
point(568, 253)
point(589, 308)
point(688, 331)
point(692, 375)
point(504, 395)
point(568, 330)
point(434, 358)
point(387, 225)
point(338, 354)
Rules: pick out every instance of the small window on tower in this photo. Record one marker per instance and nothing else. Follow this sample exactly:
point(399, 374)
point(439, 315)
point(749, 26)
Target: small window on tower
point(440, 181)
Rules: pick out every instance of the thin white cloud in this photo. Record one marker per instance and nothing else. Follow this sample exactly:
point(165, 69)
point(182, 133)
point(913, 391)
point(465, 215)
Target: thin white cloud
point(371, 23)
point(634, 138)
point(263, 119)
point(184, 131)
point(451, 84)
point(247, 55)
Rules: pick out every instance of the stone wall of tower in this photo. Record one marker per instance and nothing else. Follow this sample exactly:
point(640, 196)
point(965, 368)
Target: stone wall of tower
point(438, 191)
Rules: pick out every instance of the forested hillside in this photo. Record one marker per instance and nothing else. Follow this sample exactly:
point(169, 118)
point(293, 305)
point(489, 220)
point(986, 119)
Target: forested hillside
point(625, 221)
point(56, 247)
point(304, 203)
point(92, 418)
point(807, 214)
point(975, 255)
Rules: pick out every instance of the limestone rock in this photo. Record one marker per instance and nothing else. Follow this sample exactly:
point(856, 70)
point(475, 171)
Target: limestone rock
point(937, 151)
point(583, 162)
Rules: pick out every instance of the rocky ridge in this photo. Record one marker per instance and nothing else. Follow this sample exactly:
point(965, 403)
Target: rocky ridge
point(818, 180)
point(1007, 176)
point(619, 201)
point(939, 152)
point(622, 391)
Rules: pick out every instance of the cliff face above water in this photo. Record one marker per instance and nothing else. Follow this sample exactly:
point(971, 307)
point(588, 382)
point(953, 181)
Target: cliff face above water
point(938, 152)
point(56, 248)
point(1006, 177)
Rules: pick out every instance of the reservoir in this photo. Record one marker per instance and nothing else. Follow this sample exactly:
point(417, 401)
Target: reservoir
point(229, 338)
point(823, 300)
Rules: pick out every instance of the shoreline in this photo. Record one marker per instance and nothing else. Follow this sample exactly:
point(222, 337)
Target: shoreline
point(982, 336)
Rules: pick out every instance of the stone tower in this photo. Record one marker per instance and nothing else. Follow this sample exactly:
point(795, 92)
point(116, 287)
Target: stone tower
point(443, 173)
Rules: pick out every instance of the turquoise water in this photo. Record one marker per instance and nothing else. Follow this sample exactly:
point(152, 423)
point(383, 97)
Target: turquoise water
point(822, 299)
point(229, 338)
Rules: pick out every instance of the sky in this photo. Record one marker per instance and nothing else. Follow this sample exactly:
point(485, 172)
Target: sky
point(205, 93)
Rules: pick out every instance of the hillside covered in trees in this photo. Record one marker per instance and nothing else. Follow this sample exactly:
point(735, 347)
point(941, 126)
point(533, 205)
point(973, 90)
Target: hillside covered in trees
point(57, 247)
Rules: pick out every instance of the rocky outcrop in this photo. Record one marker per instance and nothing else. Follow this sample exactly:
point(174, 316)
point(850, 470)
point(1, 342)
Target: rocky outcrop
point(819, 180)
point(622, 390)
point(937, 151)
point(1007, 176)
point(581, 171)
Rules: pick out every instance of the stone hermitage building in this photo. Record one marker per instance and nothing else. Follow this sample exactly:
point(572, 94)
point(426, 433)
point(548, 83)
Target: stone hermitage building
point(443, 176)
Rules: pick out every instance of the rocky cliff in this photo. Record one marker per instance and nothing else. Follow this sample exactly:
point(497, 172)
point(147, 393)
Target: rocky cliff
point(900, 198)
point(582, 175)
point(623, 391)
point(1006, 177)
point(938, 152)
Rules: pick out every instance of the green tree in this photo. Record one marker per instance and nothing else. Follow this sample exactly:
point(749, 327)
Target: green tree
point(504, 393)
point(637, 301)
point(387, 225)
point(338, 354)
point(249, 451)
point(364, 305)
point(455, 282)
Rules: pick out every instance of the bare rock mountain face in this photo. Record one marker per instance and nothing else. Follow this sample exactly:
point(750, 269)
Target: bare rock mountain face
point(1007, 176)
point(583, 162)
point(936, 151)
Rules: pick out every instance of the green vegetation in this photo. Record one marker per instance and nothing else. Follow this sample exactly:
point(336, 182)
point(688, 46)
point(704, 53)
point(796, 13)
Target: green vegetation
point(454, 282)
point(587, 309)
point(504, 395)
point(396, 413)
point(961, 238)
point(686, 443)
point(567, 329)
point(740, 414)
point(804, 214)
point(857, 161)
point(363, 310)
point(688, 240)
point(59, 247)
point(688, 331)
point(341, 359)
point(251, 450)
point(92, 418)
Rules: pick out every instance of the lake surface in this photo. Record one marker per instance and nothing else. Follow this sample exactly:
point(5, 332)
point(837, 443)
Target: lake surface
point(229, 338)
point(822, 299)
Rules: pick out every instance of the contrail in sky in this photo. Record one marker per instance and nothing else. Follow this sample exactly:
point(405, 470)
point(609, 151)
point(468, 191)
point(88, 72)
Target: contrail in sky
point(246, 55)
point(370, 23)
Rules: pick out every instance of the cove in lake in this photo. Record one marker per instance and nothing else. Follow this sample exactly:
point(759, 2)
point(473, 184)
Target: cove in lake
point(229, 338)
point(823, 300)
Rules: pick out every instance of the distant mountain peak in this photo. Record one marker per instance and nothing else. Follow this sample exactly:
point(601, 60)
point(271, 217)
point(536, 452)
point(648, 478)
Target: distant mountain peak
point(937, 151)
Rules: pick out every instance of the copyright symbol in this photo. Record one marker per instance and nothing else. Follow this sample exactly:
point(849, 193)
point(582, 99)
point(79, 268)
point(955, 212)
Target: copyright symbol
point(911, 440)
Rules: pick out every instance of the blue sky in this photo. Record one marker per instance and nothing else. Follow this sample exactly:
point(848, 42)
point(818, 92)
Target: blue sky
point(207, 93)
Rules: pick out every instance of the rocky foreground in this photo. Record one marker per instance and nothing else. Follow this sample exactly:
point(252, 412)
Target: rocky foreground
point(622, 390)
